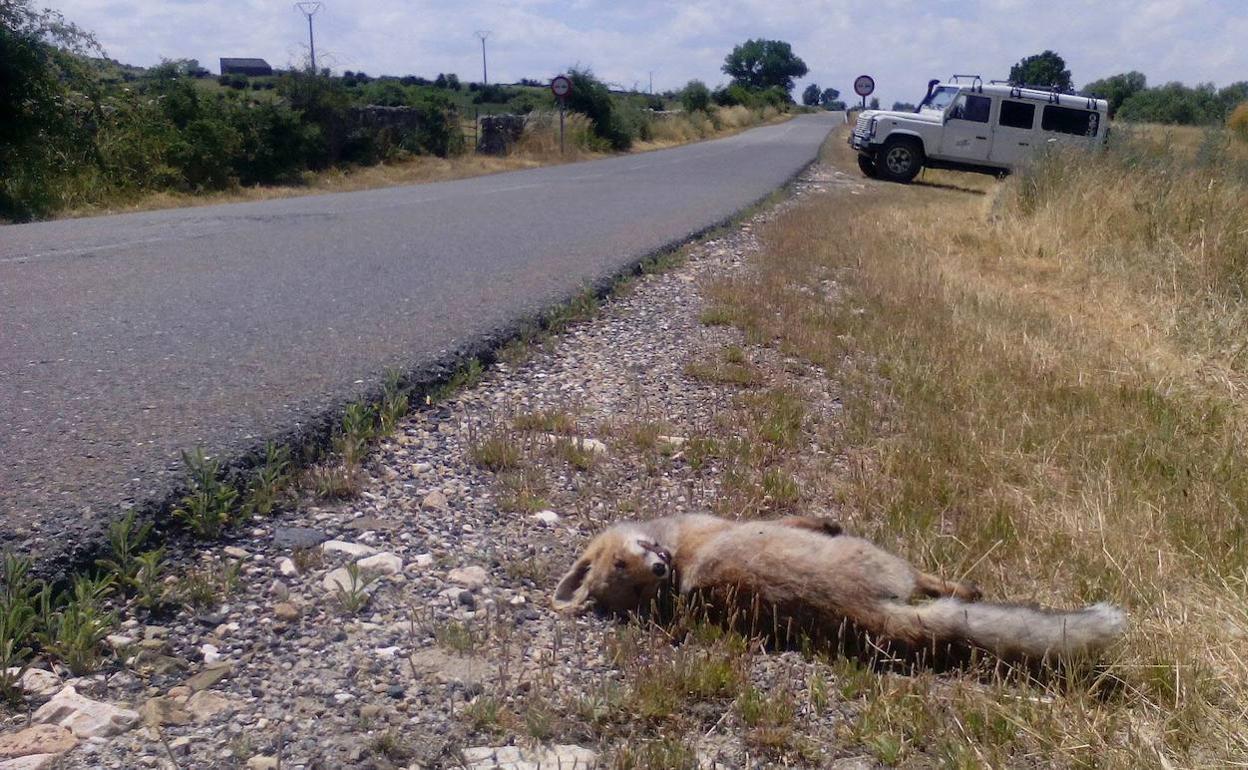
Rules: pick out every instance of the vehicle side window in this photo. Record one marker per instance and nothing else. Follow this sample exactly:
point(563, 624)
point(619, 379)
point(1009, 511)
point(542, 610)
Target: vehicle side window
point(972, 108)
point(1017, 114)
point(1066, 120)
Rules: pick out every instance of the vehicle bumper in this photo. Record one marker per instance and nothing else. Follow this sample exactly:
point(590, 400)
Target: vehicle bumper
point(861, 143)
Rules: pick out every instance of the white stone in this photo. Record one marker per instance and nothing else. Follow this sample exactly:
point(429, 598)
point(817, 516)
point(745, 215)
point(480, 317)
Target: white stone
point(118, 641)
point(211, 653)
point(84, 717)
point(262, 763)
point(205, 704)
point(473, 578)
point(354, 550)
point(287, 567)
point(546, 517)
point(384, 563)
point(671, 442)
point(584, 444)
point(30, 762)
point(424, 559)
point(542, 757)
point(517, 600)
point(386, 653)
point(234, 552)
point(338, 580)
point(36, 681)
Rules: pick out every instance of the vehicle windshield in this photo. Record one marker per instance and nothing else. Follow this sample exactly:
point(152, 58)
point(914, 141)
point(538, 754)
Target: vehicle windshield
point(940, 99)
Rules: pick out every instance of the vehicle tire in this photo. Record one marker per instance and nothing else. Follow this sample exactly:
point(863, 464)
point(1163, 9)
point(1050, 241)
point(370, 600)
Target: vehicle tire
point(900, 160)
point(867, 166)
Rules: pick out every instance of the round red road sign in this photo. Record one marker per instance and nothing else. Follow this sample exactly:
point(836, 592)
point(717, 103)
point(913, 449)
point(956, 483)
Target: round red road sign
point(561, 86)
point(864, 85)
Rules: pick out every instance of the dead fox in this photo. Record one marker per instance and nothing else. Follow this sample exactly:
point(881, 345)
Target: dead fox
point(805, 572)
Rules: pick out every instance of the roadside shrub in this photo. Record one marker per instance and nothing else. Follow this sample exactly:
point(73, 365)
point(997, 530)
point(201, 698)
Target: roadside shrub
point(1238, 122)
point(695, 97)
point(591, 98)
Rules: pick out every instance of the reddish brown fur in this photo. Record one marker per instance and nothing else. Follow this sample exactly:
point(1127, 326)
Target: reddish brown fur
point(802, 572)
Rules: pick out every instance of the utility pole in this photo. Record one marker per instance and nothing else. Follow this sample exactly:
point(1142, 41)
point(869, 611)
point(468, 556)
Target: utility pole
point(310, 9)
point(482, 34)
point(652, 82)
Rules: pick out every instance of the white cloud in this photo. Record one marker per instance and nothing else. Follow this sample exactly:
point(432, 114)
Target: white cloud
point(902, 43)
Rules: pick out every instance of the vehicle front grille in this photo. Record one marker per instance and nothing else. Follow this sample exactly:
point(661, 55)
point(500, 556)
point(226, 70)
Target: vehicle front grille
point(863, 126)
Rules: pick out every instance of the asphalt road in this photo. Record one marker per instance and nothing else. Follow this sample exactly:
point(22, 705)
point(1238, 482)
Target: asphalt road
point(125, 339)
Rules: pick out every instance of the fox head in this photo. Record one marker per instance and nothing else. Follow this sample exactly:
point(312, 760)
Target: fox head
point(621, 570)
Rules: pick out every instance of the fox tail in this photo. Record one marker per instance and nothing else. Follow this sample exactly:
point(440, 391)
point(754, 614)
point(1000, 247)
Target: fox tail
point(1009, 631)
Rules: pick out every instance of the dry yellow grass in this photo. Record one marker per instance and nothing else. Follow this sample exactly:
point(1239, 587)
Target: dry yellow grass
point(538, 147)
point(1043, 384)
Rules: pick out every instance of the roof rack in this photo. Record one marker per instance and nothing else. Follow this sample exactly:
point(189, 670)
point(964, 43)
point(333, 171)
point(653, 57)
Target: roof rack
point(1052, 93)
point(977, 82)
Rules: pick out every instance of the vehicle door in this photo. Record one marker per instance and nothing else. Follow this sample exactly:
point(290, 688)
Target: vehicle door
point(968, 134)
point(1014, 136)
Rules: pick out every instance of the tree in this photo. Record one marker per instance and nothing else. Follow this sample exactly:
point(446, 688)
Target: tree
point(48, 102)
point(810, 97)
point(695, 97)
point(874, 104)
point(1043, 69)
point(1116, 89)
point(903, 107)
point(828, 97)
point(762, 64)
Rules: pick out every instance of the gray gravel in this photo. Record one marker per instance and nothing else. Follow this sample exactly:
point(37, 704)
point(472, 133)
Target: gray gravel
point(126, 339)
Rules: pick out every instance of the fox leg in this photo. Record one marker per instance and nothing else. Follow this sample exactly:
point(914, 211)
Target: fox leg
point(935, 586)
point(812, 523)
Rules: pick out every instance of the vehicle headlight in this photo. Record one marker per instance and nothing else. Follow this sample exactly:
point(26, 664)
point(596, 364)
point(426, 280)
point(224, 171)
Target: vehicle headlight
point(871, 129)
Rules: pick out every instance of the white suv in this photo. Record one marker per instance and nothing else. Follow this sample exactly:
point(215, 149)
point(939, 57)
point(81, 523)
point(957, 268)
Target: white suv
point(968, 125)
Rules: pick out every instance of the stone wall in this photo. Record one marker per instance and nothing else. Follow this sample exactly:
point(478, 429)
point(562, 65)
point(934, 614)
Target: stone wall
point(497, 133)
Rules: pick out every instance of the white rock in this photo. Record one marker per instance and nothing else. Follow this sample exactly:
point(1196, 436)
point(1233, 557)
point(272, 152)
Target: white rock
point(338, 580)
point(424, 559)
point(84, 717)
point(206, 704)
point(30, 762)
point(355, 550)
point(287, 567)
point(384, 563)
point(584, 444)
point(211, 653)
point(36, 681)
point(386, 653)
point(517, 600)
point(473, 578)
point(517, 758)
point(262, 763)
point(342, 698)
point(547, 517)
point(118, 641)
point(279, 590)
point(234, 552)
point(671, 442)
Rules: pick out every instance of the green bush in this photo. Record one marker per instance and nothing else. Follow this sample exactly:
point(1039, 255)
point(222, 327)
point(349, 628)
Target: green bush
point(591, 98)
point(695, 97)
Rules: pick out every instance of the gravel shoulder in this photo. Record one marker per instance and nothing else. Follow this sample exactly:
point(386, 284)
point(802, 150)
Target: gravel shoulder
point(443, 652)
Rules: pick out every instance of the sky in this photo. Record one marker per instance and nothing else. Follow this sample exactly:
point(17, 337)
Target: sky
point(901, 43)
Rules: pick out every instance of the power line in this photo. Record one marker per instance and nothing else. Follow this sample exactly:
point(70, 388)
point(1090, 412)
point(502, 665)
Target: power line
point(482, 34)
point(310, 8)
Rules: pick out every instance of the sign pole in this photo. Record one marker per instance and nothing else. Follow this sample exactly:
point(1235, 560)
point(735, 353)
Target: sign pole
point(561, 86)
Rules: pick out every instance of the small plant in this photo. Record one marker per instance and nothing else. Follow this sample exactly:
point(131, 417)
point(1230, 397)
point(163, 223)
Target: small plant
point(523, 490)
point(270, 482)
point(208, 586)
point(208, 509)
point(308, 559)
point(147, 584)
point(497, 453)
point(545, 421)
point(394, 403)
point(125, 537)
point(17, 625)
point(456, 637)
point(359, 426)
point(73, 625)
point(575, 453)
point(334, 481)
point(354, 596)
point(391, 746)
point(465, 376)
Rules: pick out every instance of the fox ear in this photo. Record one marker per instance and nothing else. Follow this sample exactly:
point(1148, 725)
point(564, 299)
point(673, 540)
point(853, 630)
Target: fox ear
point(572, 593)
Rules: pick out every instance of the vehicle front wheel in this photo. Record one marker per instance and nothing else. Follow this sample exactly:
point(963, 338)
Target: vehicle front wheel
point(900, 160)
point(867, 166)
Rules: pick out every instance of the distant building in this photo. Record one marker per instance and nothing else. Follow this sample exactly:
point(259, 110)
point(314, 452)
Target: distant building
point(250, 67)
